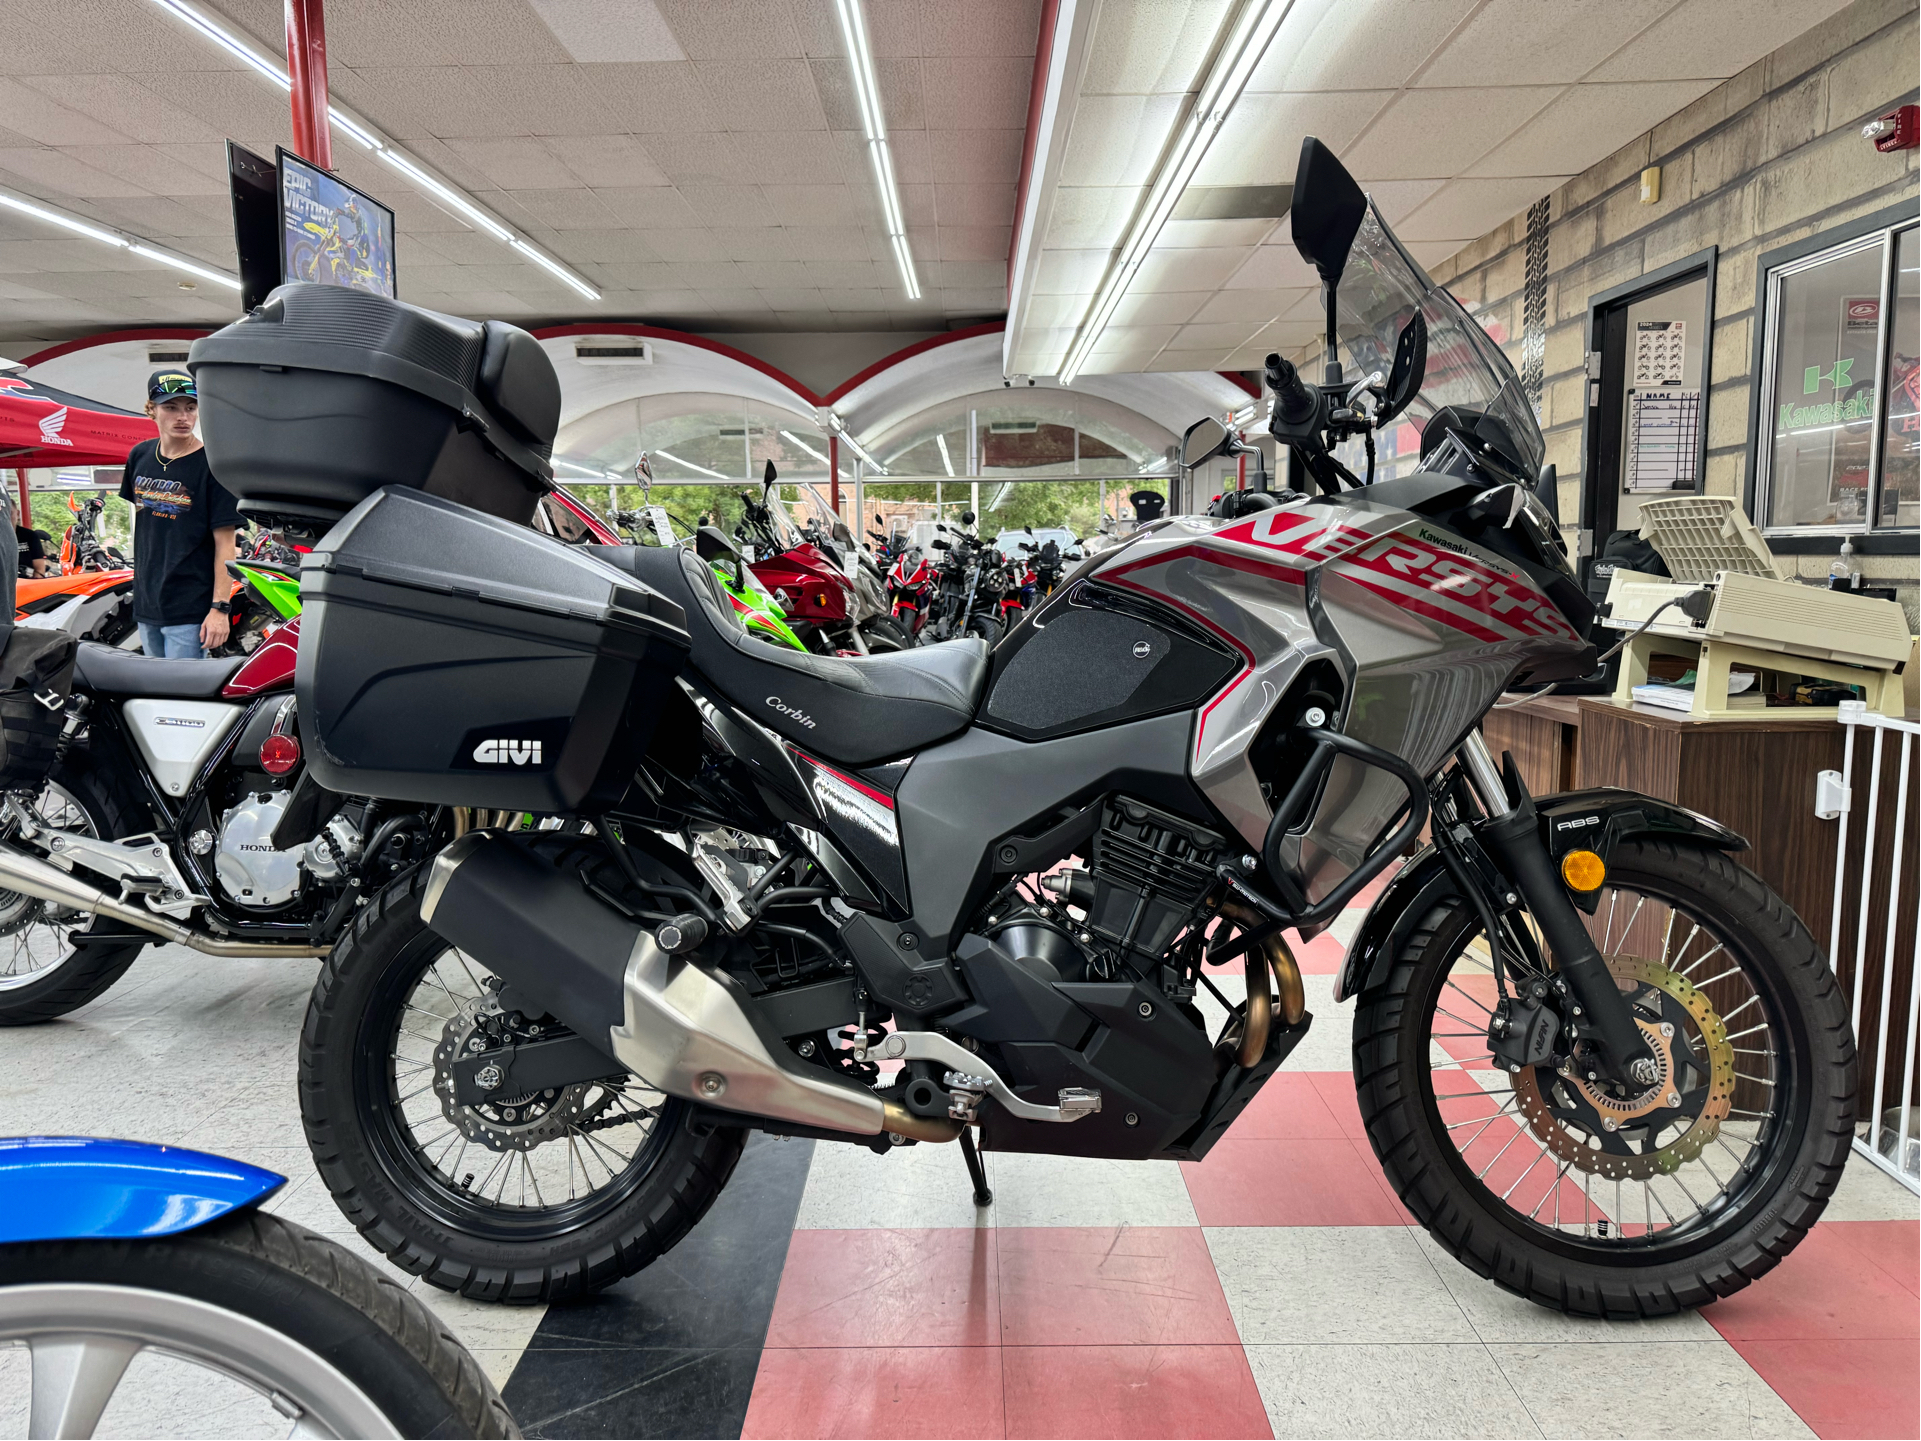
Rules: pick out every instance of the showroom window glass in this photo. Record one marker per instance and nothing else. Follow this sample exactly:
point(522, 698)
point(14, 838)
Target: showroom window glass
point(1839, 413)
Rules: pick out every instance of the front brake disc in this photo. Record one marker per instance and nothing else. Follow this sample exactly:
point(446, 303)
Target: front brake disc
point(1699, 1112)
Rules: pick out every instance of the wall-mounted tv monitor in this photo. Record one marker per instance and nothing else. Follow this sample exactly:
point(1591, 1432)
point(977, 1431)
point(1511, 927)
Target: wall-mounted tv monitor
point(331, 232)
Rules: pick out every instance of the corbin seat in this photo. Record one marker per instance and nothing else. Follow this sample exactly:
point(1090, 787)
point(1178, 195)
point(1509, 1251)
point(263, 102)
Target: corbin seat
point(108, 670)
point(855, 710)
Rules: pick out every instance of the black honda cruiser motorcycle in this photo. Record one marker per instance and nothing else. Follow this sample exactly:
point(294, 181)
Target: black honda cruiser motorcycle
point(905, 899)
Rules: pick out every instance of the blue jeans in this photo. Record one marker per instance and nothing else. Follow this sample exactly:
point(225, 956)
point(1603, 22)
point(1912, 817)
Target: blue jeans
point(175, 642)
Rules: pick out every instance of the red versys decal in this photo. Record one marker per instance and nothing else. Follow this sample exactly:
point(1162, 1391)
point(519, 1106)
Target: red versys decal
point(1455, 589)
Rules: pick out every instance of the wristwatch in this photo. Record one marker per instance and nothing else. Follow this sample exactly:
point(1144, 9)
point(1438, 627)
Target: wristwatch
point(225, 607)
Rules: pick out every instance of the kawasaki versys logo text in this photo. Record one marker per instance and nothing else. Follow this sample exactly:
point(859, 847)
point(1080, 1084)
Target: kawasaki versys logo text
point(508, 752)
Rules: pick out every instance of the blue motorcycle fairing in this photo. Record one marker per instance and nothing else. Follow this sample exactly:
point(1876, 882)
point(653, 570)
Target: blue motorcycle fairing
point(71, 1188)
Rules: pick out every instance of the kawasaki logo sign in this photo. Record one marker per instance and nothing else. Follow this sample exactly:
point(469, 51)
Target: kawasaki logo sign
point(1859, 406)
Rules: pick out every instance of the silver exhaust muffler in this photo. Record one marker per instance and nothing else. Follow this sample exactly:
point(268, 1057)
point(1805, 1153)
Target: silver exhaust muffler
point(32, 876)
point(684, 1029)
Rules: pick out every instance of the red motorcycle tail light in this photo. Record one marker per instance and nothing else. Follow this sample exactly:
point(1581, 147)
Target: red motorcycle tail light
point(279, 754)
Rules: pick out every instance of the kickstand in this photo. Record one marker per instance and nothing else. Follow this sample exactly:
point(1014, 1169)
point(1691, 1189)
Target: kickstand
point(982, 1196)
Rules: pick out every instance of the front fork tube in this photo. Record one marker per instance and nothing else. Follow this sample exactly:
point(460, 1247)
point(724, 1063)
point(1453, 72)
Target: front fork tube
point(1512, 837)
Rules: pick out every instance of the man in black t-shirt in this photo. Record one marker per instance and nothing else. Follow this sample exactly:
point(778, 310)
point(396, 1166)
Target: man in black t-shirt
point(33, 555)
point(183, 533)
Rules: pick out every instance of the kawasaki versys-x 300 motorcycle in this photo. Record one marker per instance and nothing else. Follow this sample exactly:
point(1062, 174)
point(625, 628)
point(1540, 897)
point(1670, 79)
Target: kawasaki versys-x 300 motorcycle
point(1039, 895)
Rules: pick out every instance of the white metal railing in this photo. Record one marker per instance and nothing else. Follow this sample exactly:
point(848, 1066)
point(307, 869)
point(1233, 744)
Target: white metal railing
point(1894, 1147)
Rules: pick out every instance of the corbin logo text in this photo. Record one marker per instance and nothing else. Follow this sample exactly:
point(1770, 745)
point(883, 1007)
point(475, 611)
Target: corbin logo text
point(508, 752)
point(788, 710)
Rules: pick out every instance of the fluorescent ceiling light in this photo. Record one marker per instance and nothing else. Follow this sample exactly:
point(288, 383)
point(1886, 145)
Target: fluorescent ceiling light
point(945, 459)
point(271, 68)
point(789, 435)
point(118, 242)
point(187, 265)
point(60, 218)
point(1225, 80)
point(853, 29)
point(689, 465)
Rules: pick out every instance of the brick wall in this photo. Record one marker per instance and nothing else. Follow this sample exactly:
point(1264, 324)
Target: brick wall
point(1770, 157)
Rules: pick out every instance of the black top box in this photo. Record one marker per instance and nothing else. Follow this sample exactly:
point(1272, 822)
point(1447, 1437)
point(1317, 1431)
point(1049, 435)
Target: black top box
point(323, 395)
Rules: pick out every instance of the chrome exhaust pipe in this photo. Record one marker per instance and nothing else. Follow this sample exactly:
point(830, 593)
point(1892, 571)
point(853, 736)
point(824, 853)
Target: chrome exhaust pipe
point(684, 1029)
point(31, 876)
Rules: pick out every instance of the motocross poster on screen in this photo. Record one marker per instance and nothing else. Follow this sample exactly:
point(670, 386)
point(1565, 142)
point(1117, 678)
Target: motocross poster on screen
point(331, 232)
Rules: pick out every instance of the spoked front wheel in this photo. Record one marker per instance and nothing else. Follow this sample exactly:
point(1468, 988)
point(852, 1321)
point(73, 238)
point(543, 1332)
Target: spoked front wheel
point(1603, 1200)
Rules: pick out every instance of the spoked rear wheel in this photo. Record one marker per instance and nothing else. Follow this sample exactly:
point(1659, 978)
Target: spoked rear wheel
point(1593, 1199)
point(524, 1198)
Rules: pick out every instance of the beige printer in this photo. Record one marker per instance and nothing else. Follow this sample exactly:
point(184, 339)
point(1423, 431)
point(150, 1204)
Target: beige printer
point(1758, 620)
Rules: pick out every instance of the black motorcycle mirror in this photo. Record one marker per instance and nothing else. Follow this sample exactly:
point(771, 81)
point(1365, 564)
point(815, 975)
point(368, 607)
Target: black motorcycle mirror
point(1326, 215)
point(712, 545)
point(967, 517)
point(1410, 369)
point(1205, 439)
point(767, 477)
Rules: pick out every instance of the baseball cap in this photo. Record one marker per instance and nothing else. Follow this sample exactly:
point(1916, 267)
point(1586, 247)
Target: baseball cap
point(170, 385)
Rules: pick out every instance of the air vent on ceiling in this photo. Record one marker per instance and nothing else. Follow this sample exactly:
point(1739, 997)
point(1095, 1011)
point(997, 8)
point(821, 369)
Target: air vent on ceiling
point(168, 355)
point(1233, 202)
point(1013, 427)
point(606, 352)
point(741, 433)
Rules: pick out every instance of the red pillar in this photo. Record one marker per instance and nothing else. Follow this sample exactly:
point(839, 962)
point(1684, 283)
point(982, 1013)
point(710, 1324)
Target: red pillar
point(26, 504)
point(307, 69)
point(833, 471)
point(1240, 470)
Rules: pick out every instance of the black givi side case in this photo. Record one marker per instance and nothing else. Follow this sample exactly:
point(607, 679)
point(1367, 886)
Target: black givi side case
point(453, 658)
point(322, 395)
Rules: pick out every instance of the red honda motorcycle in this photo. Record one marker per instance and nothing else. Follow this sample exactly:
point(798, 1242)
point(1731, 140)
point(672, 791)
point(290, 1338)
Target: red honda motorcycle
point(807, 572)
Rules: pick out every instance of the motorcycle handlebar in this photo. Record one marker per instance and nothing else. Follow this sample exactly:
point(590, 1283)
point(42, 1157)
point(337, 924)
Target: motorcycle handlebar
point(1294, 402)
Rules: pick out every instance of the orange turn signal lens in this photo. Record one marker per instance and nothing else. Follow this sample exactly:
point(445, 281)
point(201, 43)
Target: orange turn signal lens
point(1583, 870)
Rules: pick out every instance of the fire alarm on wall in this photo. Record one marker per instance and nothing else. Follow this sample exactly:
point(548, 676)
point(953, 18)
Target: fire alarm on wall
point(1897, 130)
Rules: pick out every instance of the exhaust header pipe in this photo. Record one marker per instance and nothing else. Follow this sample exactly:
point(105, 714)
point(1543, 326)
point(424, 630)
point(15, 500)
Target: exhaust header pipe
point(684, 1029)
point(31, 876)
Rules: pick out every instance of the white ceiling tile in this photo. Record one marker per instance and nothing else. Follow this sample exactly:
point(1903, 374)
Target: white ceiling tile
point(1188, 360)
point(1136, 337)
point(1141, 306)
point(516, 163)
point(1465, 210)
point(763, 94)
point(614, 30)
point(1260, 142)
point(648, 207)
point(1091, 216)
point(981, 92)
point(1523, 42)
point(1224, 334)
point(1714, 39)
point(1587, 124)
point(131, 107)
point(698, 159)
point(1428, 133)
point(43, 119)
point(606, 160)
point(808, 204)
point(1430, 253)
point(1116, 139)
point(1355, 44)
point(1187, 269)
point(727, 29)
point(1152, 48)
point(1395, 198)
point(1208, 234)
point(730, 206)
point(980, 27)
point(53, 174)
point(972, 242)
point(1069, 272)
point(655, 99)
point(972, 156)
point(1274, 267)
point(1259, 306)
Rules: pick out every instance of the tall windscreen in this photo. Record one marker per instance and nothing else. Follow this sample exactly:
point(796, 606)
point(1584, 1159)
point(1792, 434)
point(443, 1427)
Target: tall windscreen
point(1380, 290)
point(331, 233)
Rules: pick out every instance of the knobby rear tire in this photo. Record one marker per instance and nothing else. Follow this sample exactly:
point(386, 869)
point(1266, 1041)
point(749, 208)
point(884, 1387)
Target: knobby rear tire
point(1391, 1069)
point(686, 1177)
